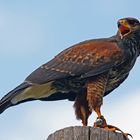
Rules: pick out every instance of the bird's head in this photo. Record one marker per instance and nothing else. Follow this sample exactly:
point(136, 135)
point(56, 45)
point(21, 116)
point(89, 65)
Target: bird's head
point(128, 26)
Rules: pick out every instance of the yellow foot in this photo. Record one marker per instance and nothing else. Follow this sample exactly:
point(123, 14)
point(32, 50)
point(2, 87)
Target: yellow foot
point(115, 129)
point(101, 123)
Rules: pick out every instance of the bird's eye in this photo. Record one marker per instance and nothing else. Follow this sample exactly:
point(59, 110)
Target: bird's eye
point(133, 22)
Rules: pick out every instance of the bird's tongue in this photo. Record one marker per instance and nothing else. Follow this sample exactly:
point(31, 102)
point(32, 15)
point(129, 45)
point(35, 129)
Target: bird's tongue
point(124, 30)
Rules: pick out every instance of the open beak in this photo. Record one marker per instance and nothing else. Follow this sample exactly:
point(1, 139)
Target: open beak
point(124, 27)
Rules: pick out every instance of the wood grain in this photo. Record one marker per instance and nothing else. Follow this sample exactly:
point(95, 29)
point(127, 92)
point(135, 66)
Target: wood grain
point(84, 133)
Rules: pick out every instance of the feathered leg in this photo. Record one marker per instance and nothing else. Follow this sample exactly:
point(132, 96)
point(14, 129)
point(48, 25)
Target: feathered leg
point(95, 93)
point(81, 109)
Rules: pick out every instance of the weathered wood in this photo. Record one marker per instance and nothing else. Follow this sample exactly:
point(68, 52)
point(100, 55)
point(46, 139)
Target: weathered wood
point(85, 133)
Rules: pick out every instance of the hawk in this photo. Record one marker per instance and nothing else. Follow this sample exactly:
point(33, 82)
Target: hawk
point(83, 73)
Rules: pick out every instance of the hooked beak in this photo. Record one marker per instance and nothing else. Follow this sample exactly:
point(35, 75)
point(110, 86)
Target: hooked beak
point(124, 27)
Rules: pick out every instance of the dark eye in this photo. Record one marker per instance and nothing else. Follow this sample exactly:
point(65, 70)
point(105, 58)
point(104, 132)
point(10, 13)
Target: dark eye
point(133, 22)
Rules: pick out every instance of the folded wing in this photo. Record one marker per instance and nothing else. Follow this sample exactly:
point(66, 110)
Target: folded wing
point(83, 60)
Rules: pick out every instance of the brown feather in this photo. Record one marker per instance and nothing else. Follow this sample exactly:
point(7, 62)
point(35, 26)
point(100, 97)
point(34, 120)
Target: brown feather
point(86, 59)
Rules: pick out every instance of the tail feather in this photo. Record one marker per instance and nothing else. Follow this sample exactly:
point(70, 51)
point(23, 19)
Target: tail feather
point(5, 102)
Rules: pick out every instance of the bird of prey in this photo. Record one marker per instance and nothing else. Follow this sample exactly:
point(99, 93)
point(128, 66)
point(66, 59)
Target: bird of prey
point(83, 73)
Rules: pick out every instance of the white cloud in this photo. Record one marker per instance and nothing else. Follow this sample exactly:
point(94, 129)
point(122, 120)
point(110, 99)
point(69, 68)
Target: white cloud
point(128, 114)
point(36, 120)
point(22, 33)
point(125, 113)
point(43, 119)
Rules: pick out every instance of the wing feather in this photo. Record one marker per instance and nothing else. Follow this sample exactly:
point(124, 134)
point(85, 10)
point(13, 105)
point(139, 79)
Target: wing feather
point(83, 60)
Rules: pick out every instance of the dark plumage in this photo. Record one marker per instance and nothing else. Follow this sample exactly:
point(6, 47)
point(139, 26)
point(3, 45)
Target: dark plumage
point(83, 73)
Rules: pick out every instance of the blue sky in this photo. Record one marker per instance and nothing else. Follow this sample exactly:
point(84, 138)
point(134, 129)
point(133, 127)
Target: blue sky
point(34, 31)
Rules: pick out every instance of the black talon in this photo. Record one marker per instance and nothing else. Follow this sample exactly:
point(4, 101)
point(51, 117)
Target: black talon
point(101, 123)
point(124, 134)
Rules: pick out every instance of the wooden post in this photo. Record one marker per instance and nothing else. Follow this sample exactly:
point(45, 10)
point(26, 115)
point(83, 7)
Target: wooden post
point(85, 133)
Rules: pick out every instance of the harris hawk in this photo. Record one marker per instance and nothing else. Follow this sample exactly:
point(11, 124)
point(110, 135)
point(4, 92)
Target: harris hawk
point(83, 73)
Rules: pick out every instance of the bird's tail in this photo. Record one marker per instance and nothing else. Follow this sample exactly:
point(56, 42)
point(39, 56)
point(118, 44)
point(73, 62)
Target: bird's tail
point(6, 101)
